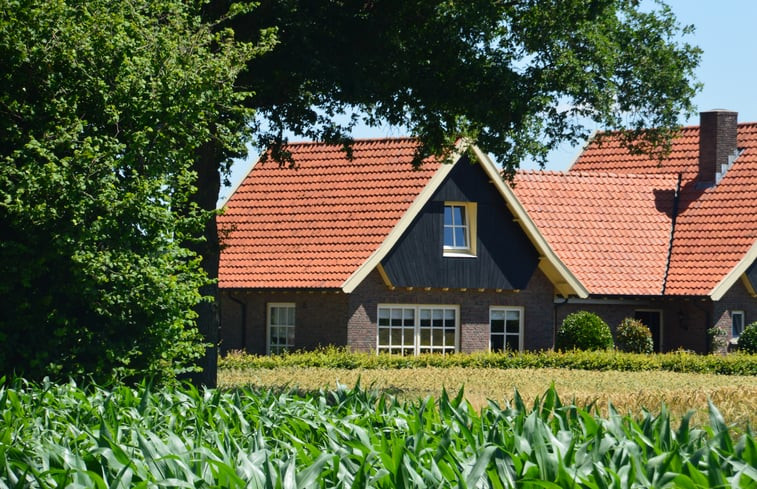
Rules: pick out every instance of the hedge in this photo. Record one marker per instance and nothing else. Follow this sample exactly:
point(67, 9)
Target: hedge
point(331, 357)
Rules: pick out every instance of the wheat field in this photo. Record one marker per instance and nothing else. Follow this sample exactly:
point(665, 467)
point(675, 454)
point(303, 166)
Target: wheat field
point(629, 392)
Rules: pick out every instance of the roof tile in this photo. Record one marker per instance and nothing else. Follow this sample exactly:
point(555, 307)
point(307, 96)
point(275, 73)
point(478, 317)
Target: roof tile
point(312, 225)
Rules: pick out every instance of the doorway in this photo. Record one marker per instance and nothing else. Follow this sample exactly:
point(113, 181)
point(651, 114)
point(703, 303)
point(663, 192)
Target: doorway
point(652, 319)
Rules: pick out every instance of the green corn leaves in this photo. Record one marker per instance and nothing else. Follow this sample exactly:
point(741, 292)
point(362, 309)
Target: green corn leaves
point(62, 436)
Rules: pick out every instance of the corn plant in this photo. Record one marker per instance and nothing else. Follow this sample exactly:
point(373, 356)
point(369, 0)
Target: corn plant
point(66, 436)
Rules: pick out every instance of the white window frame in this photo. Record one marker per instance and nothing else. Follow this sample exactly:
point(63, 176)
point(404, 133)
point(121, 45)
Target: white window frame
point(505, 334)
point(286, 346)
point(415, 348)
point(735, 314)
point(470, 227)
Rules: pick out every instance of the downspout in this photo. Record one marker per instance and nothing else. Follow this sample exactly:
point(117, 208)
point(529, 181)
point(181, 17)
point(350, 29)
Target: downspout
point(554, 319)
point(676, 200)
point(243, 306)
point(707, 320)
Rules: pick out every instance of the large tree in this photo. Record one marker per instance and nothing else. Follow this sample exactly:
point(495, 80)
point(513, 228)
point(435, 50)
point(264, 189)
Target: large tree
point(104, 108)
point(517, 77)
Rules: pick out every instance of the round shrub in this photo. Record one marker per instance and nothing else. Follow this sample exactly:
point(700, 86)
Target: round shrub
point(583, 330)
point(634, 337)
point(748, 339)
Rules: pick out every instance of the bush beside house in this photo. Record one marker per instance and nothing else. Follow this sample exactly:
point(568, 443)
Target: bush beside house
point(583, 330)
point(748, 339)
point(634, 337)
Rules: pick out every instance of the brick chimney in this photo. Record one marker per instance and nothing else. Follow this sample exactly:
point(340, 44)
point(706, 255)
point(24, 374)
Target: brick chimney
point(717, 144)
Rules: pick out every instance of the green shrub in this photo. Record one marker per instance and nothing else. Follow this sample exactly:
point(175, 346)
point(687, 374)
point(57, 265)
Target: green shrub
point(335, 357)
point(718, 339)
point(583, 330)
point(634, 337)
point(748, 339)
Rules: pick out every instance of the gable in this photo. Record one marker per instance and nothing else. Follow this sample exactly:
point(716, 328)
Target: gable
point(751, 278)
point(504, 259)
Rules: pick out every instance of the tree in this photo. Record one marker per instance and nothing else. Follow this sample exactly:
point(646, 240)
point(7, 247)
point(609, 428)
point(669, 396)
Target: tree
point(517, 77)
point(104, 107)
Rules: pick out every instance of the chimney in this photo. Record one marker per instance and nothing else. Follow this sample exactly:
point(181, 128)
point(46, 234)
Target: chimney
point(717, 144)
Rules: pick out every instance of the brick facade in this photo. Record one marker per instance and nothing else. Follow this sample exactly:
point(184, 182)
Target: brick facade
point(736, 299)
point(474, 311)
point(684, 320)
point(320, 318)
point(334, 318)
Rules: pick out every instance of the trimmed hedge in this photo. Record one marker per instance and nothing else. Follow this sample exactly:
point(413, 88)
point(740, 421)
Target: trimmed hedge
point(331, 357)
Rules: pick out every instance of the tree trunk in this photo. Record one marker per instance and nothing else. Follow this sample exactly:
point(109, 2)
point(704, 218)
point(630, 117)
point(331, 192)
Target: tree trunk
point(208, 320)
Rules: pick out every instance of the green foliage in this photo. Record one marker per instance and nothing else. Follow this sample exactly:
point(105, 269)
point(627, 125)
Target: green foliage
point(583, 330)
point(718, 338)
point(633, 336)
point(748, 339)
point(61, 436)
point(518, 78)
point(331, 357)
point(104, 107)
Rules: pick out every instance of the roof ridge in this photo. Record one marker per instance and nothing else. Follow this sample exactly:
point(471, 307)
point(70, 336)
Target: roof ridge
point(591, 173)
point(355, 141)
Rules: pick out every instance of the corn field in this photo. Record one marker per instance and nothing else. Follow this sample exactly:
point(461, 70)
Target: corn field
point(66, 436)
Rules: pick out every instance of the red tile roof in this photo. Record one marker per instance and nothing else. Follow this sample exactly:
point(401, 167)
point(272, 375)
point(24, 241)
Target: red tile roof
point(612, 231)
point(313, 225)
point(716, 227)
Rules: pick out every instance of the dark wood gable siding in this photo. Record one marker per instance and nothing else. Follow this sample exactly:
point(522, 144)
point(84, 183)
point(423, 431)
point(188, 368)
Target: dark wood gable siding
point(751, 275)
point(505, 259)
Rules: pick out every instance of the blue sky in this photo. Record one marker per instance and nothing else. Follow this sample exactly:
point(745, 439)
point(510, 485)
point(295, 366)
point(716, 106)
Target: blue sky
point(726, 31)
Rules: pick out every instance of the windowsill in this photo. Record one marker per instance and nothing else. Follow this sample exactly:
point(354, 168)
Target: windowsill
point(458, 254)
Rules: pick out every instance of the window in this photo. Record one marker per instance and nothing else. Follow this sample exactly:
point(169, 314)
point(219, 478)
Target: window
point(459, 229)
point(412, 330)
point(737, 323)
point(280, 327)
point(505, 329)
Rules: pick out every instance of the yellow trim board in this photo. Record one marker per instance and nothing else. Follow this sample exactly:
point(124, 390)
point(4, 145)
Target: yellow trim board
point(740, 269)
point(748, 286)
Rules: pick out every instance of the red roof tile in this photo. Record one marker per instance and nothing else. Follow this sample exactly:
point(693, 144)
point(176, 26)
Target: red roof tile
point(715, 227)
point(313, 225)
point(612, 231)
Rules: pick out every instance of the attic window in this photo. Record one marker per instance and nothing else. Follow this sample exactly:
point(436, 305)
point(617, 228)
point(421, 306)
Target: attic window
point(459, 229)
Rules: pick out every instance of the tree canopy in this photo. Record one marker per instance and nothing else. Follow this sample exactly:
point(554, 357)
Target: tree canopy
point(118, 118)
point(518, 77)
point(103, 108)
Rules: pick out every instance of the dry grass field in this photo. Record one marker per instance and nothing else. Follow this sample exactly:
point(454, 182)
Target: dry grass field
point(629, 392)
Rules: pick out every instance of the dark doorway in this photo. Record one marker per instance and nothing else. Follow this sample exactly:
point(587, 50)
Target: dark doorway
point(653, 321)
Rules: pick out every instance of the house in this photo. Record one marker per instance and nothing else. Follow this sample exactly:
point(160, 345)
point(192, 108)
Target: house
point(374, 254)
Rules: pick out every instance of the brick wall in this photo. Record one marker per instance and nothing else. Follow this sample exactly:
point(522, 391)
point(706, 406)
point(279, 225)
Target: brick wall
point(684, 321)
point(320, 318)
point(536, 301)
point(736, 299)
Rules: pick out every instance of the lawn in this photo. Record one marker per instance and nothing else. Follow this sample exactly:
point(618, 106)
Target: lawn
point(629, 392)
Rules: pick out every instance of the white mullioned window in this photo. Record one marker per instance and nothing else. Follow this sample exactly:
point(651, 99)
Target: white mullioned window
point(459, 228)
point(280, 327)
point(407, 329)
point(505, 328)
point(737, 323)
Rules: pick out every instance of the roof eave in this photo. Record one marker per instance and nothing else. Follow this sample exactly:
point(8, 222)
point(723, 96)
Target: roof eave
point(732, 276)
